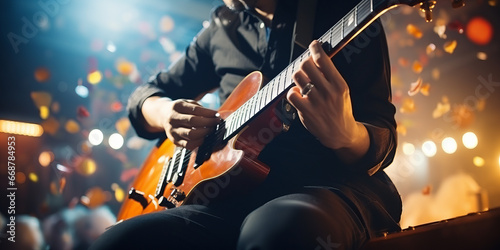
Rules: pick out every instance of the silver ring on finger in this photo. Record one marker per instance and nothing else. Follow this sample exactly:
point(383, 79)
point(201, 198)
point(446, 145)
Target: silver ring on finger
point(307, 89)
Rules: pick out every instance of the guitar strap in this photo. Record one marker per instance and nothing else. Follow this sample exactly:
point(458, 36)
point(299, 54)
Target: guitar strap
point(303, 27)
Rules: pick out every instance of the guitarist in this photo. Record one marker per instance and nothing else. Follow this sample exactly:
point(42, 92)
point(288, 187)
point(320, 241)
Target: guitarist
point(326, 188)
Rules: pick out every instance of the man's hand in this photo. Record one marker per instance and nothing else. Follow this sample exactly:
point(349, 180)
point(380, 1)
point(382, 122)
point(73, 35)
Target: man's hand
point(184, 121)
point(325, 109)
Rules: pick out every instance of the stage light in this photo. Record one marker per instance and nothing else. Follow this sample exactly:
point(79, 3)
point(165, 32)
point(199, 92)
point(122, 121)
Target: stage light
point(20, 128)
point(470, 140)
point(449, 145)
point(408, 148)
point(429, 148)
point(115, 141)
point(95, 137)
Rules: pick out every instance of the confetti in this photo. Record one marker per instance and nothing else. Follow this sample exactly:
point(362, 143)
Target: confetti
point(55, 107)
point(481, 104)
point(51, 125)
point(116, 106)
point(456, 25)
point(44, 112)
point(20, 177)
point(125, 67)
point(425, 89)
point(129, 174)
point(414, 31)
point(33, 177)
point(479, 31)
point(436, 73)
point(462, 115)
point(440, 30)
point(403, 62)
point(417, 67)
point(72, 127)
point(63, 168)
point(119, 192)
point(450, 46)
point(62, 184)
point(94, 77)
point(45, 158)
point(95, 197)
point(122, 125)
point(408, 106)
point(442, 108)
point(415, 87)
point(427, 190)
point(166, 24)
point(402, 130)
point(86, 167)
point(482, 56)
point(42, 74)
point(430, 49)
point(81, 111)
point(41, 98)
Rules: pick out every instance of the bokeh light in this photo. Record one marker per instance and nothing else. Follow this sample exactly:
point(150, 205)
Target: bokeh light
point(82, 91)
point(429, 148)
point(45, 158)
point(94, 77)
point(408, 148)
point(115, 141)
point(86, 167)
point(95, 137)
point(479, 31)
point(478, 161)
point(470, 140)
point(449, 145)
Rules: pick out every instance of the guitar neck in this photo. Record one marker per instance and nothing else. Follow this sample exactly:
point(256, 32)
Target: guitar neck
point(333, 41)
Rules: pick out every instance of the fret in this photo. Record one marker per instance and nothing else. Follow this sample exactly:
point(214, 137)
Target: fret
point(337, 34)
point(289, 80)
point(371, 5)
point(246, 116)
point(253, 105)
point(268, 95)
point(263, 96)
point(276, 91)
point(364, 10)
point(259, 100)
point(349, 22)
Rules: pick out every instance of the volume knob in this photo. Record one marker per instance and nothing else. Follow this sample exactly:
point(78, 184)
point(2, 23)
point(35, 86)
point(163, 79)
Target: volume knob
point(138, 196)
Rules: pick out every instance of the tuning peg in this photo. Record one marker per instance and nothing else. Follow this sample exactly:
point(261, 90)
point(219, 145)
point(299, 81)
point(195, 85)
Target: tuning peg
point(426, 7)
point(457, 3)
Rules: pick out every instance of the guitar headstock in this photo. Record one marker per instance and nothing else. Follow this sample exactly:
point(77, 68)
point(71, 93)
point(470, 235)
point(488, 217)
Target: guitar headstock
point(427, 5)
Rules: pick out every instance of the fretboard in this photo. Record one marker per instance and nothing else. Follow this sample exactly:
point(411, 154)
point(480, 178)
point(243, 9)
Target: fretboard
point(333, 40)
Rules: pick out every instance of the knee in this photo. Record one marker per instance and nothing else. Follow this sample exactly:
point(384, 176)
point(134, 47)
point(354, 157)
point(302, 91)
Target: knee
point(284, 224)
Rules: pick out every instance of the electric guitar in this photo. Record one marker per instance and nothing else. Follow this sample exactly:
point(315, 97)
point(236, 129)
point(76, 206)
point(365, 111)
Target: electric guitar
point(227, 160)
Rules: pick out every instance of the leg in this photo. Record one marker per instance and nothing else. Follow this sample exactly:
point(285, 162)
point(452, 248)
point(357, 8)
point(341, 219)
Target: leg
point(185, 227)
point(318, 219)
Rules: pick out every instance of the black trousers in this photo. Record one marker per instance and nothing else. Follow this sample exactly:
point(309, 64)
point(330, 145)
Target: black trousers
point(316, 218)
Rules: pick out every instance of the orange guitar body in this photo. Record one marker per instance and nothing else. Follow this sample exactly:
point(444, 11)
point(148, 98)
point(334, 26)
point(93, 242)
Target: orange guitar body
point(232, 168)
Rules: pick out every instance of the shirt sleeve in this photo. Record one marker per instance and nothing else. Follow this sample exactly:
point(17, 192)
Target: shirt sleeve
point(370, 89)
point(190, 76)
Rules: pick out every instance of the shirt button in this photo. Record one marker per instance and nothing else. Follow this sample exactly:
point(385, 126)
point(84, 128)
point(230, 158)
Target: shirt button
point(262, 25)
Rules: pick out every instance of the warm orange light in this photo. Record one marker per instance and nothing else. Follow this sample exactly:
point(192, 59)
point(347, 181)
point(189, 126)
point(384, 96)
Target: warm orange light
point(20, 128)
point(479, 31)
